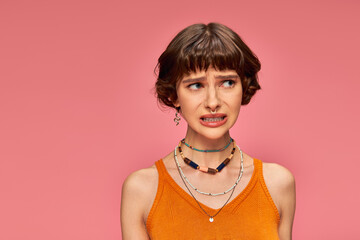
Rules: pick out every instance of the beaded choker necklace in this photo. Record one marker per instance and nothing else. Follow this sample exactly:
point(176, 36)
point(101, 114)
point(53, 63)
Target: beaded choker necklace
point(207, 169)
point(199, 150)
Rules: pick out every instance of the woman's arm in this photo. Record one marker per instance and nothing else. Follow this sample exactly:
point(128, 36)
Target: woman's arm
point(287, 205)
point(281, 185)
point(136, 192)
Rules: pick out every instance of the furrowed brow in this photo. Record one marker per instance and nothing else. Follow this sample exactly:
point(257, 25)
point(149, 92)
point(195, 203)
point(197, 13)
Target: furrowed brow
point(226, 76)
point(191, 80)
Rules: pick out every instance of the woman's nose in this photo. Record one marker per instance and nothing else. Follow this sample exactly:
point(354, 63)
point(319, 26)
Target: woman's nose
point(212, 99)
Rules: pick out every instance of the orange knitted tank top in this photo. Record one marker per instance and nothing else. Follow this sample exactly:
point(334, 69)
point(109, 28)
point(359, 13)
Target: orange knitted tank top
point(250, 215)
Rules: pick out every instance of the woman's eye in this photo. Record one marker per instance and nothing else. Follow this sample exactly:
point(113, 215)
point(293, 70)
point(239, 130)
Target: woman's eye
point(194, 86)
point(228, 83)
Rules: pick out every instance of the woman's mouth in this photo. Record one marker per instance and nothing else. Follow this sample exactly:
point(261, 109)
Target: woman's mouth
point(213, 120)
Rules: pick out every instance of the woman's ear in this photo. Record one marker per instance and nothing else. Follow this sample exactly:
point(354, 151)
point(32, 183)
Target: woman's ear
point(176, 103)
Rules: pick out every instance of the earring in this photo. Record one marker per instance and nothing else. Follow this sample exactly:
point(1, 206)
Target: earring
point(177, 117)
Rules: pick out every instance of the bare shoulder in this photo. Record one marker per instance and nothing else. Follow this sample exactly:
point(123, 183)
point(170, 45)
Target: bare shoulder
point(276, 174)
point(140, 182)
point(138, 191)
point(280, 183)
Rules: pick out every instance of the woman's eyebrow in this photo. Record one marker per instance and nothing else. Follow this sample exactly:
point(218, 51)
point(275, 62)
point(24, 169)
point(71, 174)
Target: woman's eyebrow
point(194, 79)
point(190, 80)
point(226, 76)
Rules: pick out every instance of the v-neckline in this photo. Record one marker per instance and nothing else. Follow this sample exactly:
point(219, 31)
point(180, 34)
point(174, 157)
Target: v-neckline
point(241, 196)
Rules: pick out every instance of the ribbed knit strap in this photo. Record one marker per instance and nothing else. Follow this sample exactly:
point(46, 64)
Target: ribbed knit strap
point(160, 169)
point(259, 166)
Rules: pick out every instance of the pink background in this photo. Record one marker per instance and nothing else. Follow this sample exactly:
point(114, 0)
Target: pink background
point(78, 112)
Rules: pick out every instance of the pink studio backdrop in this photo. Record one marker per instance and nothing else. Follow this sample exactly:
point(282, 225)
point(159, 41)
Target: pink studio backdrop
point(78, 112)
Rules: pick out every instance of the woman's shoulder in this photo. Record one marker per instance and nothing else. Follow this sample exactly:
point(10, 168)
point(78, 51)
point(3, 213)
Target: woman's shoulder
point(281, 184)
point(140, 186)
point(138, 182)
point(144, 181)
point(138, 192)
point(277, 174)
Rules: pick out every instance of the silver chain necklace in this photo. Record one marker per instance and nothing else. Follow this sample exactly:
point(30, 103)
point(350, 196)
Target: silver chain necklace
point(206, 193)
point(211, 217)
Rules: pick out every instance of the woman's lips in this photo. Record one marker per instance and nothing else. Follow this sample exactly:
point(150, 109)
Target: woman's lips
point(216, 115)
point(213, 120)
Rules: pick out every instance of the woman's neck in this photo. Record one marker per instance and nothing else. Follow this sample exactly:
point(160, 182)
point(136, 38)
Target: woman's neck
point(209, 159)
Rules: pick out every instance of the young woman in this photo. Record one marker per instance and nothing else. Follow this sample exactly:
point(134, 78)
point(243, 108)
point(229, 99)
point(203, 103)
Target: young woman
point(208, 188)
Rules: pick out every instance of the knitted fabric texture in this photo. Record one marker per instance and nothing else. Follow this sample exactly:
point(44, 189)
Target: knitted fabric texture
point(250, 215)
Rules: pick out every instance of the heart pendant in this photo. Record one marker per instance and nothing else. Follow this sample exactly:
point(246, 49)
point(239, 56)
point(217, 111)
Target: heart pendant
point(211, 219)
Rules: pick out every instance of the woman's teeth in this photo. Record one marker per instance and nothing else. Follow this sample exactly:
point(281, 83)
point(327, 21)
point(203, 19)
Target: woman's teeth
point(213, 119)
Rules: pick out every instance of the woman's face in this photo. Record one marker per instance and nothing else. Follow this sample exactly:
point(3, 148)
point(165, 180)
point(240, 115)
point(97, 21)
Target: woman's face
point(204, 91)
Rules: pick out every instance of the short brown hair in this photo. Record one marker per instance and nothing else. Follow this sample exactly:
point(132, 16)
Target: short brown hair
point(200, 46)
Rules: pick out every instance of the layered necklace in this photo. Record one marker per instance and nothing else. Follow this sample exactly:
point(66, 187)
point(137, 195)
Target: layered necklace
point(187, 182)
point(207, 169)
